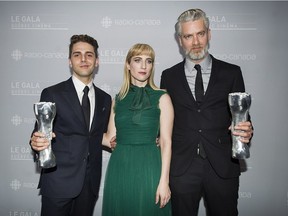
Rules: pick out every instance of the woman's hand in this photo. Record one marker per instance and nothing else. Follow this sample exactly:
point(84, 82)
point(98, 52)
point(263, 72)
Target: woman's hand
point(163, 194)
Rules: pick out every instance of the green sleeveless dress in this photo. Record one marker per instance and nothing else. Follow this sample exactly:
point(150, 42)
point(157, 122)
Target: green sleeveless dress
point(134, 167)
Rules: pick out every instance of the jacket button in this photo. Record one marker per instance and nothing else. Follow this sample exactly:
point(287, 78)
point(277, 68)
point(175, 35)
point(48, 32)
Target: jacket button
point(199, 110)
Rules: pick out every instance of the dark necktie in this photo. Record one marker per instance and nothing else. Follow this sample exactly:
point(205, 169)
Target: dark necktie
point(199, 94)
point(86, 106)
point(199, 88)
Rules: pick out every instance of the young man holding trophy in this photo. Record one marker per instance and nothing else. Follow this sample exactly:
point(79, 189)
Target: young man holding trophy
point(71, 185)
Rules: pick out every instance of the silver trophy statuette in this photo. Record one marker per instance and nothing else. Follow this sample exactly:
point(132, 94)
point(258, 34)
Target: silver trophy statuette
point(45, 113)
point(239, 103)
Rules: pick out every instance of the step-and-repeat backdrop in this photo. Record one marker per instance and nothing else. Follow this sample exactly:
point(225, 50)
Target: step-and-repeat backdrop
point(34, 39)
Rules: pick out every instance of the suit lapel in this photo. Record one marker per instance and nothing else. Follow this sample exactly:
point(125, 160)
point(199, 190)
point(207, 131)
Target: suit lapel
point(96, 102)
point(98, 108)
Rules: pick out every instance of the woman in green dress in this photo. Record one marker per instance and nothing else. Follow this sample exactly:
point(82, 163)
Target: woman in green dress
point(137, 176)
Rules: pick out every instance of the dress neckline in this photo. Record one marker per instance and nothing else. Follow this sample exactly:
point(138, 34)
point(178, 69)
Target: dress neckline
point(141, 99)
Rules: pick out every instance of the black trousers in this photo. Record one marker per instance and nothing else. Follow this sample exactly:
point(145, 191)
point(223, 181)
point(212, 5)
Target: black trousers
point(82, 205)
point(200, 180)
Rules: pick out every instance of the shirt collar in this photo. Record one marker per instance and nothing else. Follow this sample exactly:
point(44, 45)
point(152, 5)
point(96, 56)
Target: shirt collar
point(79, 86)
point(205, 63)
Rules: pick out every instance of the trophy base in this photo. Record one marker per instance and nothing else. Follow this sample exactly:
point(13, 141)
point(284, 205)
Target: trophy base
point(47, 159)
point(240, 150)
point(48, 164)
point(240, 155)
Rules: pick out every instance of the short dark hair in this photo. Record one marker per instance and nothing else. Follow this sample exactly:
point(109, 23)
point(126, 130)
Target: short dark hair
point(83, 38)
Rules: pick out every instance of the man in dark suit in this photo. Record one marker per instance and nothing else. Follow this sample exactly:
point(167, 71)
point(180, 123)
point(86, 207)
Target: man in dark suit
point(202, 164)
point(71, 188)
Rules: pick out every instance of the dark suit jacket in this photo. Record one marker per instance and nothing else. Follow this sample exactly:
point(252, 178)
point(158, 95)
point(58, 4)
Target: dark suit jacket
point(207, 123)
point(71, 145)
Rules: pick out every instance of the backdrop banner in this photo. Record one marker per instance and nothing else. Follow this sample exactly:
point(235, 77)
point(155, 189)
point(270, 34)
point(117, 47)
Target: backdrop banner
point(35, 36)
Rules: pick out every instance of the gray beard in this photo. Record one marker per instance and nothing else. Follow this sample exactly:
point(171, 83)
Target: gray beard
point(198, 56)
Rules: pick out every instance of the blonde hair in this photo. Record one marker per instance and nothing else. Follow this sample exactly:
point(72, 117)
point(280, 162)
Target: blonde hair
point(137, 49)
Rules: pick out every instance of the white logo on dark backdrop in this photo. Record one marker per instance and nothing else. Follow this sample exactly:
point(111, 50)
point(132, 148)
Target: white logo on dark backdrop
point(21, 153)
point(16, 55)
point(112, 56)
point(25, 88)
point(233, 22)
point(37, 22)
point(237, 56)
point(18, 120)
point(19, 55)
point(245, 195)
point(15, 184)
point(106, 22)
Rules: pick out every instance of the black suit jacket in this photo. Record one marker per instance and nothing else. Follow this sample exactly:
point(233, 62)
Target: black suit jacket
point(207, 123)
point(73, 140)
